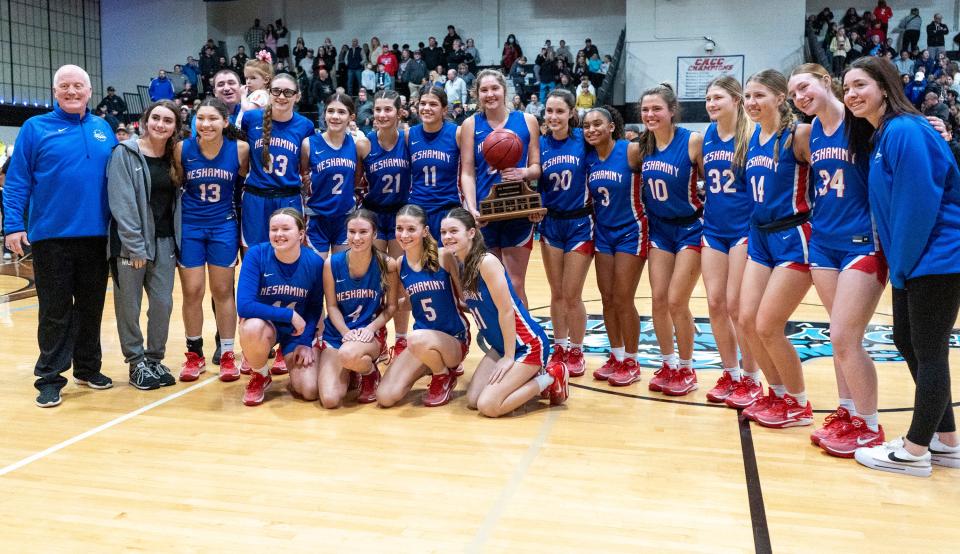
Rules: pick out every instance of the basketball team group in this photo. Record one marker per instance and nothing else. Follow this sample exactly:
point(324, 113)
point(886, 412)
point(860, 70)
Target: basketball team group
point(341, 234)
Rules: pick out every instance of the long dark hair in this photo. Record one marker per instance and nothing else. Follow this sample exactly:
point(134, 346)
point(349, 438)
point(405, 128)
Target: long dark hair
point(177, 125)
point(613, 116)
point(430, 258)
point(380, 257)
point(860, 133)
point(648, 142)
point(470, 275)
point(229, 131)
point(571, 102)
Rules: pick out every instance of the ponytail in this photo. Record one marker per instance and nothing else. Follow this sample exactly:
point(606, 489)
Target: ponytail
point(265, 140)
point(470, 274)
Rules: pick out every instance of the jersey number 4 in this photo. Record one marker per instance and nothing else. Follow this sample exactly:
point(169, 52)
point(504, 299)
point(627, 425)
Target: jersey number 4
point(834, 182)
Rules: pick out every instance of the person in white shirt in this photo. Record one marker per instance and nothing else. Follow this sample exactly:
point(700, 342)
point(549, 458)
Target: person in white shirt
point(456, 89)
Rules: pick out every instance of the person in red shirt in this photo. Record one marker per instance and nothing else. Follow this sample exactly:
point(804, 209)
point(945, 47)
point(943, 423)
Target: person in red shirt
point(389, 61)
point(883, 13)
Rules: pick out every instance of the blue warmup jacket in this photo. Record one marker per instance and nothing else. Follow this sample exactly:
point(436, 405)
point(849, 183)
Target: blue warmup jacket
point(59, 172)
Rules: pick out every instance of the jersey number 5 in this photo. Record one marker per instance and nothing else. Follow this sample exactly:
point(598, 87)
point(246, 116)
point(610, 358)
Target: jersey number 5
point(428, 312)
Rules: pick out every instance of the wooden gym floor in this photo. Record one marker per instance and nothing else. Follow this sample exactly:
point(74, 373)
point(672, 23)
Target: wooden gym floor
point(190, 468)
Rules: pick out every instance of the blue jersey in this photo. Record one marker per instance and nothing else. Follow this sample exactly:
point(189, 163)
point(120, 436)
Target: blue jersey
point(729, 204)
point(563, 184)
point(780, 190)
point(915, 199)
point(841, 214)
point(487, 316)
point(387, 172)
point(285, 138)
point(207, 197)
point(432, 300)
point(486, 175)
point(359, 300)
point(271, 290)
point(615, 188)
point(332, 176)
point(434, 167)
point(670, 179)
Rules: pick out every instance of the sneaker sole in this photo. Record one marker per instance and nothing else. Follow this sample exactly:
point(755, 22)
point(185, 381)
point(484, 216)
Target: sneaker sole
point(868, 461)
point(654, 387)
point(261, 399)
point(437, 404)
point(740, 405)
point(784, 424)
point(579, 373)
point(141, 387)
point(717, 398)
point(229, 377)
point(944, 460)
point(83, 383)
point(49, 404)
point(600, 377)
point(674, 392)
point(623, 383)
point(189, 378)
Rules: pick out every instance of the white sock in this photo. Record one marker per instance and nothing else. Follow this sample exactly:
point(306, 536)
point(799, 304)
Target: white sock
point(688, 364)
point(265, 370)
point(847, 404)
point(619, 353)
point(672, 360)
point(636, 357)
point(779, 390)
point(801, 398)
point(873, 421)
point(226, 345)
point(192, 339)
point(561, 342)
point(576, 346)
point(754, 375)
point(734, 373)
point(543, 381)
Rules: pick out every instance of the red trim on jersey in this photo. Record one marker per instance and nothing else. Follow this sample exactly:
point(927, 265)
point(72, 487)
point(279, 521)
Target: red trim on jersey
point(692, 197)
point(526, 336)
point(801, 188)
point(636, 197)
point(586, 248)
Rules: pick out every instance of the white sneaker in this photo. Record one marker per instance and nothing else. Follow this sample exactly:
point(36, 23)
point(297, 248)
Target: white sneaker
point(943, 455)
point(7, 256)
point(893, 457)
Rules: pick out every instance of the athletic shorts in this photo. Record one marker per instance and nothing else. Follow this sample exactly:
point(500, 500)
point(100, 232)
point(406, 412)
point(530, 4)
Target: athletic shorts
point(256, 212)
point(386, 226)
point(630, 239)
point(787, 248)
point(284, 337)
point(864, 259)
point(434, 218)
point(721, 244)
point(509, 233)
point(673, 238)
point(325, 231)
point(333, 339)
point(569, 235)
point(216, 245)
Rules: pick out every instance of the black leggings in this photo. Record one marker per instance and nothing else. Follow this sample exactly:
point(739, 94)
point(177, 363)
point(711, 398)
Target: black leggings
point(923, 318)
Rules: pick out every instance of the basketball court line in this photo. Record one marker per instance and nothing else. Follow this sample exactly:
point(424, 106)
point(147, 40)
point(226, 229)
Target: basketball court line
point(114, 422)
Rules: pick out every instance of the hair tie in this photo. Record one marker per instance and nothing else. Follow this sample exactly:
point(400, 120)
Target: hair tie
point(264, 56)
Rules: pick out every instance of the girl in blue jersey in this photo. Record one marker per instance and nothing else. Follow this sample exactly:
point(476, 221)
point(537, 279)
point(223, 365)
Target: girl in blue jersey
point(210, 165)
point(726, 223)
point(848, 270)
point(914, 192)
point(330, 159)
point(778, 274)
point(275, 135)
point(386, 170)
point(361, 291)
point(440, 337)
point(566, 232)
point(620, 238)
point(280, 301)
point(511, 373)
point(510, 240)
point(670, 157)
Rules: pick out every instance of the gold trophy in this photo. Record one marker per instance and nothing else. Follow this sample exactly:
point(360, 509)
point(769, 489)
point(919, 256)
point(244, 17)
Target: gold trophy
point(503, 149)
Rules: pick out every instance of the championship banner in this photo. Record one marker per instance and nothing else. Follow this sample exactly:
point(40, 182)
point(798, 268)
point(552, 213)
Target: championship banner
point(694, 73)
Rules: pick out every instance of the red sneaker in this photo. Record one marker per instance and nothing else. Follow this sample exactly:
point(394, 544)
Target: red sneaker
point(193, 367)
point(745, 393)
point(853, 436)
point(785, 413)
point(606, 370)
point(368, 387)
point(257, 386)
point(228, 367)
point(627, 374)
point(245, 368)
point(397, 348)
point(558, 356)
point(683, 381)
point(761, 403)
point(279, 366)
point(661, 377)
point(576, 365)
point(440, 390)
point(560, 389)
point(832, 424)
point(723, 389)
point(457, 371)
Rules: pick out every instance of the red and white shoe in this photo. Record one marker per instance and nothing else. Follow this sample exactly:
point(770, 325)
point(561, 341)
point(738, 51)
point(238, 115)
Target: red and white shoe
point(193, 367)
point(368, 387)
point(723, 389)
point(457, 371)
point(257, 387)
point(440, 390)
point(832, 424)
point(762, 403)
point(558, 357)
point(576, 365)
point(661, 377)
point(397, 348)
point(228, 367)
point(245, 368)
point(560, 389)
point(627, 374)
point(606, 370)
point(279, 366)
point(845, 443)
point(683, 381)
point(785, 413)
point(745, 393)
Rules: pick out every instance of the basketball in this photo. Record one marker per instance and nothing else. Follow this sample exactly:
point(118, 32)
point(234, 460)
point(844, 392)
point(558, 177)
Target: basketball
point(502, 149)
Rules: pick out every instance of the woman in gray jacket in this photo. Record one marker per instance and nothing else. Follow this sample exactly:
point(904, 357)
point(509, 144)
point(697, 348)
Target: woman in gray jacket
point(141, 191)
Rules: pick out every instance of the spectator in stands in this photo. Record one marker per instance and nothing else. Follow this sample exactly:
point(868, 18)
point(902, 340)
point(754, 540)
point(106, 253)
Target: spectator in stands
point(471, 49)
point(544, 57)
point(534, 107)
point(161, 88)
point(383, 79)
point(580, 68)
point(566, 82)
point(300, 51)
point(254, 35)
point(904, 63)
point(186, 121)
point(856, 49)
point(113, 105)
point(824, 18)
point(850, 19)
point(448, 40)
point(457, 55)
point(283, 40)
point(329, 56)
point(368, 78)
point(364, 111)
point(564, 52)
point(321, 87)
point(192, 72)
point(925, 63)
point(187, 95)
point(354, 60)
point(932, 106)
point(433, 55)
point(270, 40)
point(589, 49)
point(122, 133)
point(882, 13)
point(911, 25)
point(876, 32)
point(605, 66)
point(455, 87)
point(511, 52)
point(177, 78)
point(414, 74)
point(516, 104)
point(548, 76)
point(586, 99)
point(875, 48)
point(389, 61)
point(936, 30)
point(915, 89)
point(307, 62)
point(463, 71)
point(241, 57)
point(208, 64)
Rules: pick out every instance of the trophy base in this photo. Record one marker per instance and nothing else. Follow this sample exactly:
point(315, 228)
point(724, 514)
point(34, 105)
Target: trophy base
point(510, 200)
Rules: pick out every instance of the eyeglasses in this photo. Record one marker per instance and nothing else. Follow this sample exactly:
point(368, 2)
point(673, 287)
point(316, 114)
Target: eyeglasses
point(287, 93)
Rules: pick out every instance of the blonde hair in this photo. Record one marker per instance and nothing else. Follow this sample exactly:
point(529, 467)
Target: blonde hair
point(777, 83)
point(818, 71)
point(496, 74)
point(265, 69)
point(743, 126)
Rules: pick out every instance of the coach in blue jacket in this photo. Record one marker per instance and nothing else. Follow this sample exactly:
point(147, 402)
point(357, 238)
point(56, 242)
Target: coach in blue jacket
point(58, 172)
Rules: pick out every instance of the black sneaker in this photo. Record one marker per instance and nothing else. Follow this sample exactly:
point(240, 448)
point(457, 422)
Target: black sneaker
point(48, 397)
point(143, 376)
point(163, 373)
point(216, 354)
point(97, 381)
